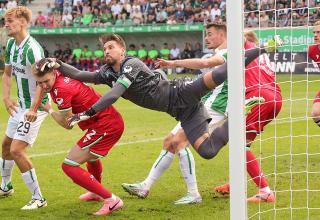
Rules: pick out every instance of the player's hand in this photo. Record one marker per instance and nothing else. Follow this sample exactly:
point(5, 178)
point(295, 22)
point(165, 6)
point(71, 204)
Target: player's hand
point(76, 118)
point(164, 63)
point(11, 106)
point(46, 107)
point(30, 115)
point(47, 63)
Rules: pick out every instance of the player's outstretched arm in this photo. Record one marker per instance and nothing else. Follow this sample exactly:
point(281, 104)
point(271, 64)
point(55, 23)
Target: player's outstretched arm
point(74, 73)
point(194, 63)
point(108, 99)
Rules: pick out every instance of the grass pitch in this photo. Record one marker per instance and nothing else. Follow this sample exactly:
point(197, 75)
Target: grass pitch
point(291, 137)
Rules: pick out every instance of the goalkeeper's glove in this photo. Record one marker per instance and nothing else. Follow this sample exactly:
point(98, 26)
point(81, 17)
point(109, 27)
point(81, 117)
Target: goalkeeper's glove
point(46, 64)
point(76, 118)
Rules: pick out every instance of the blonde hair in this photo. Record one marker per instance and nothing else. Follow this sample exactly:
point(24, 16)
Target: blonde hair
point(317, 23)
point(252, 37)
point(20, 12)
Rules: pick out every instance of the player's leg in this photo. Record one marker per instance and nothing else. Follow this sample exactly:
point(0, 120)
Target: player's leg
point(25, 135)
point(161, 164)
point(315, 112)
point(7, 164)
point(98, 146)
point(255, 122)
point(187, 168)
point(71, 167)
point(95, 168)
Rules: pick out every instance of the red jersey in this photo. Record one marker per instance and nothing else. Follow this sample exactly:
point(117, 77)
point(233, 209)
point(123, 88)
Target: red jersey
point(259, 75)
point(314, 53)
point(70, 94)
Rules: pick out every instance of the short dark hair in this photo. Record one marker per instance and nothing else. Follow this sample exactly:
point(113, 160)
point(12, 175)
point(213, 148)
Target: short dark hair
point(219, 25)
point(112, 37)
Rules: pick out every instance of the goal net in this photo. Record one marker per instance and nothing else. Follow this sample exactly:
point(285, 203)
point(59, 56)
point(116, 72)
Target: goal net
point(288, 150)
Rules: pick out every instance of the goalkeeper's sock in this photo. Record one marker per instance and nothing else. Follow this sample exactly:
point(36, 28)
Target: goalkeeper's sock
point(31, 180)
point(254, 170)
point(6, 172)
point(187, 167)
point(95, 168)
point(84, 179)
point(160, 165)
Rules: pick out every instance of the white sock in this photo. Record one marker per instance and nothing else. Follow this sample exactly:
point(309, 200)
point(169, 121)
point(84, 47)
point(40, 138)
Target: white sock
point(160, 165)
point(266, 189)
point(30, 179)
point(6, 172)
point(188, 170)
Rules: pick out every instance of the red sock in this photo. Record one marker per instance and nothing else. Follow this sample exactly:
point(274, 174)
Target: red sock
point(84, 179)
point(254, 170)
point(95, 168)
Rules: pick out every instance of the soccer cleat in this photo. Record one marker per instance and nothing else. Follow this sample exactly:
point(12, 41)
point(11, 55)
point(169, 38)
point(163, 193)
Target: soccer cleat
point(135, 189)
point(273, 44)
point(8, 191)
point(89, 196)
point(189, 199)
point(35, 204)
point(262, 196)
point(109, 206)
point(223, 189)
point(252, 102)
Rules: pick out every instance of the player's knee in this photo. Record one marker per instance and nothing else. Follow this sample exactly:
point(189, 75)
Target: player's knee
point(16, 152)
point(219, 75)
point(207, 151)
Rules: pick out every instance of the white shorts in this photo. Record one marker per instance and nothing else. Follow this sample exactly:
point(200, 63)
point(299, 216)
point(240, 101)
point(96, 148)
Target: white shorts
point(216, 120)
point(22, 130)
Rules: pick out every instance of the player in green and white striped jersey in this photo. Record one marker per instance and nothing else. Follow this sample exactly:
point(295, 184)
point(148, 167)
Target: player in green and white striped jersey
point(176, 142)
point(22, 51)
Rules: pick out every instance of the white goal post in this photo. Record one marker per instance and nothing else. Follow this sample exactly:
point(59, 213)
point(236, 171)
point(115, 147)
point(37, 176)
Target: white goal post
point(237, 161)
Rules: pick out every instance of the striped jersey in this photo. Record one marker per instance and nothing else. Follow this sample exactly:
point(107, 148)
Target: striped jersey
point(20, 58)
point(217, 99)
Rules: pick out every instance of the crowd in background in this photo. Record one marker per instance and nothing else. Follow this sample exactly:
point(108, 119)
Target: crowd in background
point(90, 59)
point(78, 13)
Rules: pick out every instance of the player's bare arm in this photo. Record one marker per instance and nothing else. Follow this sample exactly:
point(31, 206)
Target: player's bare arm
point(194, 63)
point(31, 115)
point(10, 104)
point(60, 117)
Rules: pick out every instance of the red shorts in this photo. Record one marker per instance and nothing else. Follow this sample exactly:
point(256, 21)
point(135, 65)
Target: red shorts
point(102, 138)
point(261, 115)
point(317, 98)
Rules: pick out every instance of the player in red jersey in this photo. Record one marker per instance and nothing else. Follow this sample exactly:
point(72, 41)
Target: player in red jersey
point(102, 132)
point(314, 54)
point(259, 82)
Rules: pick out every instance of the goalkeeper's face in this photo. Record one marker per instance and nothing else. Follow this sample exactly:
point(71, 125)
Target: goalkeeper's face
point(113, 53)
point(316, 34)
point(46, 81)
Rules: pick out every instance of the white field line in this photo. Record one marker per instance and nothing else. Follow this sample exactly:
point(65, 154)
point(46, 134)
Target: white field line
point(119, 144)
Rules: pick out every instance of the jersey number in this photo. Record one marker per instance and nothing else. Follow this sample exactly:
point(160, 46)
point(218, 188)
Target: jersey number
point(24, 127)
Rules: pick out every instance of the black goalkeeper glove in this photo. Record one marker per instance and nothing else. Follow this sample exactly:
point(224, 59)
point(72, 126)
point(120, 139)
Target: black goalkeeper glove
point(76, 118)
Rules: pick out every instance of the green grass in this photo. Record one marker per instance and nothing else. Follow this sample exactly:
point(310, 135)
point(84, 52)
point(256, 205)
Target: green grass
point(140, 145)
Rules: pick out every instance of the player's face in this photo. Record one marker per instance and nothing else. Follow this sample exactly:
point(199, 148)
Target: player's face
point(47, 81)
point(316, 34)
point(214, 38)
point(14, 25)
point(113, 52)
